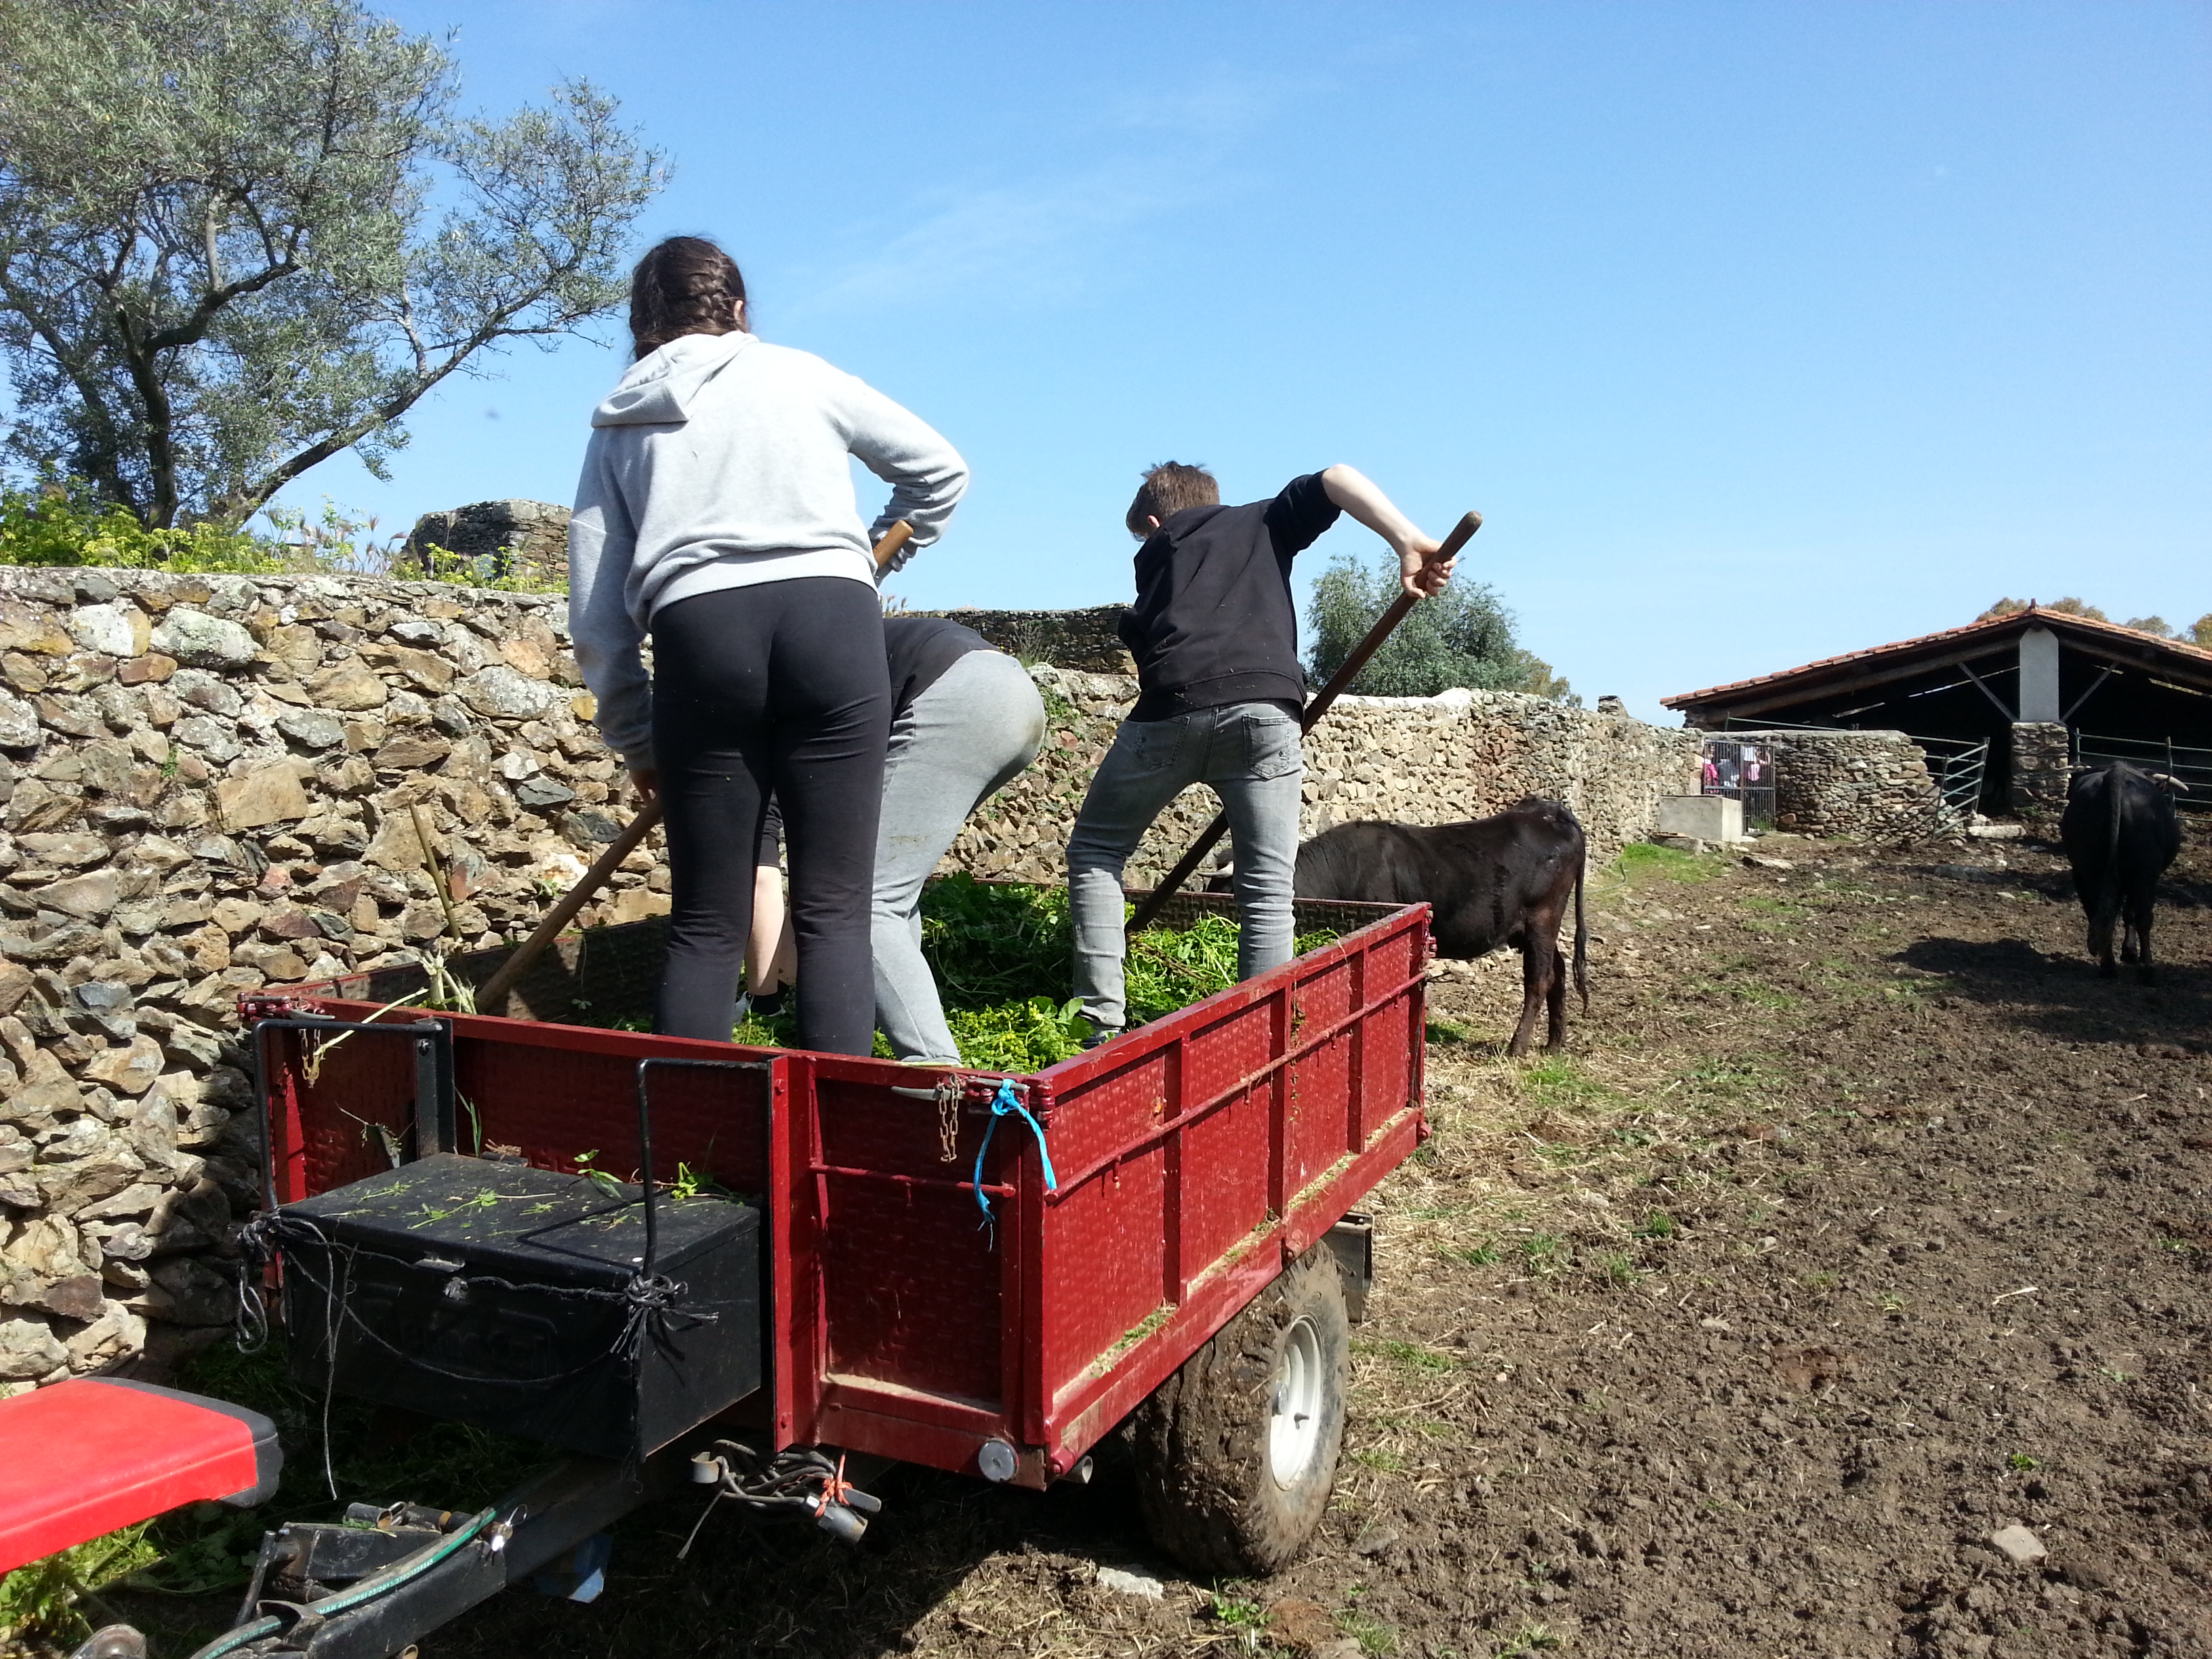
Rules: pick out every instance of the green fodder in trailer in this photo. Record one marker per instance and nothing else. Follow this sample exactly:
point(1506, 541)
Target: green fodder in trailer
point(1002, 955)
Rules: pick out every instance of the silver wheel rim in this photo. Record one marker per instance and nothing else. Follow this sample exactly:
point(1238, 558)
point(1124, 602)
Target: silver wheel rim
point(1294, 1420)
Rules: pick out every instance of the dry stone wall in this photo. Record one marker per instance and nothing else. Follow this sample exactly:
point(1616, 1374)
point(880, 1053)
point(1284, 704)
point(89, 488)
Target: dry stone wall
point(1416, 760)
point(213, 785)
point(2042, 767)
point(209, 785)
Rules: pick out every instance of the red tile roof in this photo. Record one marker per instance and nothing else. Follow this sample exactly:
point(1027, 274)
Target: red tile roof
point(1991, 625)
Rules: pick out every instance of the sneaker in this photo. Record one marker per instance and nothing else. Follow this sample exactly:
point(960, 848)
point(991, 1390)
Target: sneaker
point(1100, 1037)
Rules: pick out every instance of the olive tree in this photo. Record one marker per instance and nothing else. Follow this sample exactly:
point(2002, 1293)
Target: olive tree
point(237, 239)
point(1461, 637)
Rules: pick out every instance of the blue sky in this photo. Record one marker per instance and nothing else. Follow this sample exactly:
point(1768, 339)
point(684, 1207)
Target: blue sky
point(1758, 332)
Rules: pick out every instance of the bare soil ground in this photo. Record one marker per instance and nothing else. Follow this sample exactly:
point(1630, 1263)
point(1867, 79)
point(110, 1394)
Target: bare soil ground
point(1861, 1222)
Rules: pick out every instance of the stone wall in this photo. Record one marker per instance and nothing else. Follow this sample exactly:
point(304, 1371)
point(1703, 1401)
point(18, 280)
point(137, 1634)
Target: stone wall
point(211, 784)
point(524, 539)
point(1084, 641)
point(1869, 786)
point(208, 785)
point(530, 539)
point(1417, 760)
point(2042, 767)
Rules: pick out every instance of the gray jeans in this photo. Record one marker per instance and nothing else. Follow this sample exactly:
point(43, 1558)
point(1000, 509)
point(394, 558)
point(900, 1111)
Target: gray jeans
point(962, 741)
point(1247, 753)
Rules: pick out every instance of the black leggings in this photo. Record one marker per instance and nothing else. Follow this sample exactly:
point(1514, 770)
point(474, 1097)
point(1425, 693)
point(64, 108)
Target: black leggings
point(778, 687)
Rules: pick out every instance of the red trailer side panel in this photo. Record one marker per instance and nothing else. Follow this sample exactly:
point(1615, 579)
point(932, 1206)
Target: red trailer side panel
point(1195, 1157)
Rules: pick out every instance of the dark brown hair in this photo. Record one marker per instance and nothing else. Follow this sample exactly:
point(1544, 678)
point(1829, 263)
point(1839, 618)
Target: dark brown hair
point(1168, 488)
point(684, 285)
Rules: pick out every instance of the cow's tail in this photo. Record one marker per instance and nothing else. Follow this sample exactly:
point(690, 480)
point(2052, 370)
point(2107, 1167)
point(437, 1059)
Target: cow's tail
point(1582, 934)
point(2111, 893)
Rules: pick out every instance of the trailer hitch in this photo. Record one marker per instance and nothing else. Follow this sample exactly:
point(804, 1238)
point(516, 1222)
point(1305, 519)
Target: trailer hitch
point(368, 1587)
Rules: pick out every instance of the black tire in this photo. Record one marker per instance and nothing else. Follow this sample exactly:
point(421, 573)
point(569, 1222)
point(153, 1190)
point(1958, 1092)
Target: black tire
point(1208, 1477)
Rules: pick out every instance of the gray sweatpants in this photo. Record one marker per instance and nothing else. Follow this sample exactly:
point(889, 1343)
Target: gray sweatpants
point(962, 741)
point(1247, 752)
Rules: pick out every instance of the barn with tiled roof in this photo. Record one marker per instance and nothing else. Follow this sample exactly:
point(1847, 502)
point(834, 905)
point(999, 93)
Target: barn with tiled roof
point(2117, 692)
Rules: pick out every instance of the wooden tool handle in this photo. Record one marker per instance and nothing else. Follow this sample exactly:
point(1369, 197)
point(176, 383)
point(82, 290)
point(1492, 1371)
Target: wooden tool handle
point(897, 537)
point(1150, 905)
point(526, 954)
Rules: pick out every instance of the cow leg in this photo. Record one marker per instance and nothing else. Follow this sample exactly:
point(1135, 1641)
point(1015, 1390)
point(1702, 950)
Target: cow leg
point(1556, 999)
point(2102, 923)
point(2140, 907)
point(1540, 960)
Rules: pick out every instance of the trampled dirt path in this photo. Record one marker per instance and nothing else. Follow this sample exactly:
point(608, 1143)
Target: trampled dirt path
point(1863, 1225)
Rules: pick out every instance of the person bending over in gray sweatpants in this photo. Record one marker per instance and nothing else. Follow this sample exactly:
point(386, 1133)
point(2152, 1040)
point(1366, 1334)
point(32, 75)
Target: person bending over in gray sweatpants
point(1220, 691)
point(966, 719)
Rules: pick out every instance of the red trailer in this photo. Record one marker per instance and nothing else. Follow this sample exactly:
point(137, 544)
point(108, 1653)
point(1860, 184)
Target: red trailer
point(982, 1273)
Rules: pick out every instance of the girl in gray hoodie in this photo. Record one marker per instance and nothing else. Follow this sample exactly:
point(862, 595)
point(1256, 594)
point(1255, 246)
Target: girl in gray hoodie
point(716, 513)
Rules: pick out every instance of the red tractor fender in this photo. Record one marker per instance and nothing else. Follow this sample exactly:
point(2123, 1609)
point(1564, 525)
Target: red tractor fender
point(82, 1458)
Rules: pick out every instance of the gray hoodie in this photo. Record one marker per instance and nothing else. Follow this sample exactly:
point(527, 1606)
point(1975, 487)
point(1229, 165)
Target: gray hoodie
point(720, 462)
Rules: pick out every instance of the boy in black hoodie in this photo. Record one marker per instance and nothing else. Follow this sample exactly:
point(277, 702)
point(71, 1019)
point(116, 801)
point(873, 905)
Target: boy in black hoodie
point(1215, 636)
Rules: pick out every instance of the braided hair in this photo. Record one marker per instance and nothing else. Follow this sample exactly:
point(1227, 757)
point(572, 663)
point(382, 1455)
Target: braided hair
point(684, 285)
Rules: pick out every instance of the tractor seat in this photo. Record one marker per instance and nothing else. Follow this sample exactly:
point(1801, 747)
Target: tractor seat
point(81, 1458)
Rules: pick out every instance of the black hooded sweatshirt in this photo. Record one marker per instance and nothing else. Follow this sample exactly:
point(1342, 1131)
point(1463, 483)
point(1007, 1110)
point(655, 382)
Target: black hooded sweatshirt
point(1214, 622)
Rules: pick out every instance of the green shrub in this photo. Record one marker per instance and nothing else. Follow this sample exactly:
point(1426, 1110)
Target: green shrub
point(1463, 637)
point(70, 525)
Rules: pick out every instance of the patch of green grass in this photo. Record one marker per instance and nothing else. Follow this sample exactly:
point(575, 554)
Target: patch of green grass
point(1475, 1255)
point(2022, 1460)
point(1370, 1632)
point(1559, 1081)
point(1657, 1223)
point(1620, 1270)
point(1446, 1030)
point(1644, 860)
point(1410, 1355)
point(1246, 1617)
point(1736, 1082)
point(1546, 1253)
point(1529, 1638)
point(40, 1599)
point(1374, 1457)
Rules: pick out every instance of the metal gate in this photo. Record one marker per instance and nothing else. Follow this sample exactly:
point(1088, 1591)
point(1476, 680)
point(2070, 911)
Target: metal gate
point(2189, 766)
point(1958, 766)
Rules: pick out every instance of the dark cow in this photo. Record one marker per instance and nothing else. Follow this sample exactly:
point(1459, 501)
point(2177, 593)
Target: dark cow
point(2120, 832)
point(1502, 880)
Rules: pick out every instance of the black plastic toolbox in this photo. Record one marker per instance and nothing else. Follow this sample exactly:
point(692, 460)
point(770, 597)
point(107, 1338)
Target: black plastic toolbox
point(521, 1300)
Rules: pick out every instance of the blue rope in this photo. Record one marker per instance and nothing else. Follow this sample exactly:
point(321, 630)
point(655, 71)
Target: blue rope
point(1006, 1101)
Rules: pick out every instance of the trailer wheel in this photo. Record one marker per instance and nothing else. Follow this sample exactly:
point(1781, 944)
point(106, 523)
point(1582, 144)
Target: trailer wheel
point(1236, 1452)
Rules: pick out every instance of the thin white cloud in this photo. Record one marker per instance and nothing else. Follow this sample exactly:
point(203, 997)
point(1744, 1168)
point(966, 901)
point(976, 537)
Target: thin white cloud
point(1039, 240)
point(1223, 103)
point(1045, 238)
